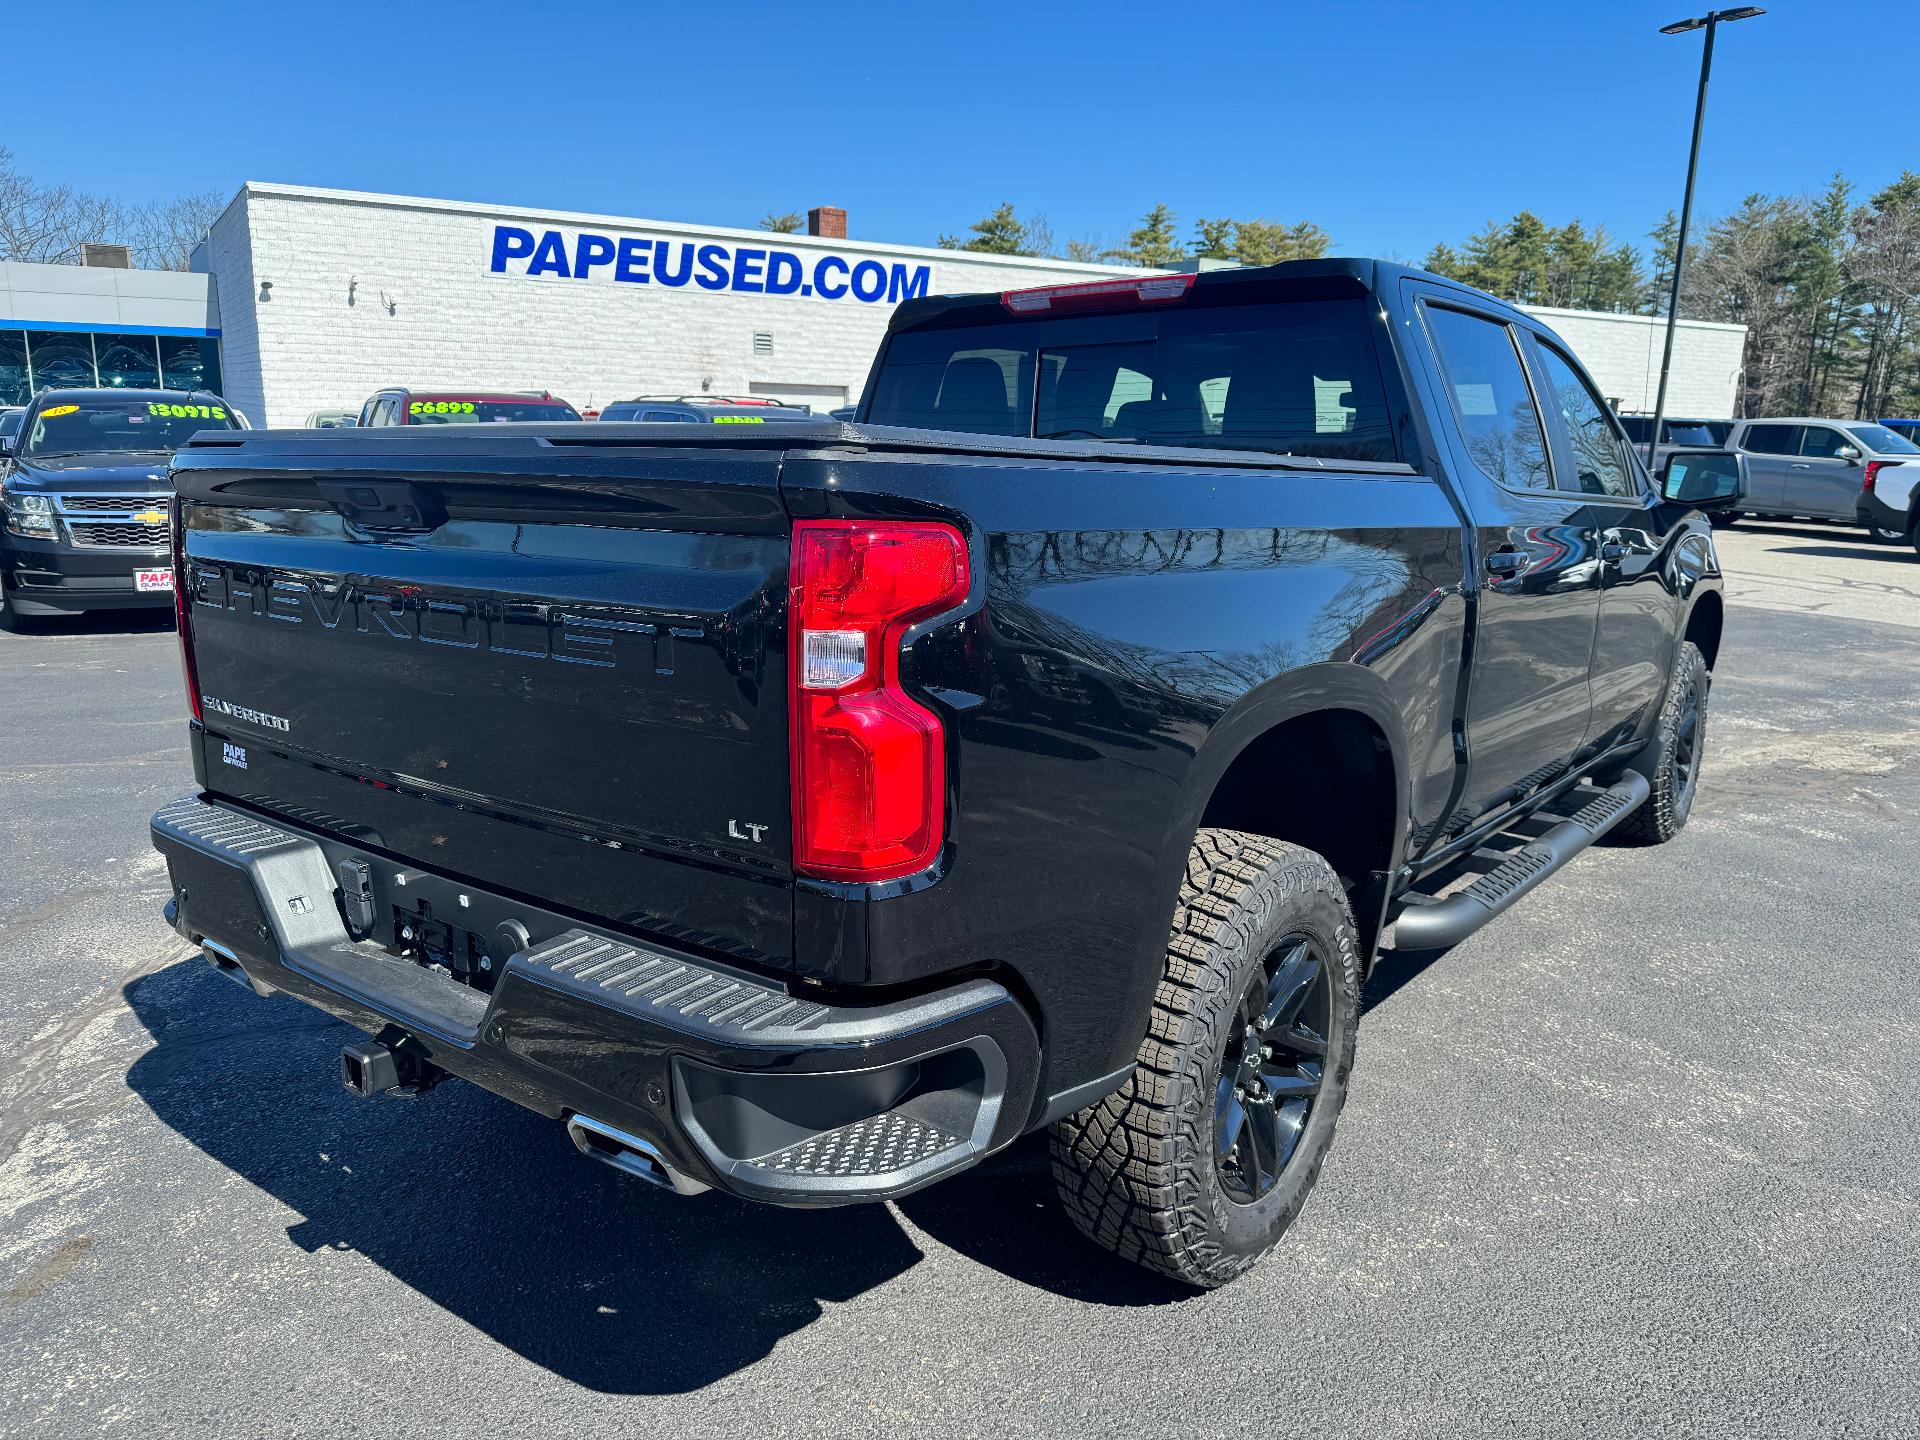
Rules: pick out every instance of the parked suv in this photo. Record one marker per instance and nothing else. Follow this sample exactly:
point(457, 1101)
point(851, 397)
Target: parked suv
point(86, 497)
point(702, 410)
point(400, 406)
point(1829, 470)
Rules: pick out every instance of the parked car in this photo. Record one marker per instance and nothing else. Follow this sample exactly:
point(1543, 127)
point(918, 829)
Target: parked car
point(702, 410)
point(10, 418)
point(809, 812)
point(1806, 467)
point(1674, 433)
point(400, 406)
point(332, 419)
point(85, 494)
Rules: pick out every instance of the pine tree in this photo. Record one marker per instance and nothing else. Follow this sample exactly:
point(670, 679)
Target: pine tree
point(1152, 244)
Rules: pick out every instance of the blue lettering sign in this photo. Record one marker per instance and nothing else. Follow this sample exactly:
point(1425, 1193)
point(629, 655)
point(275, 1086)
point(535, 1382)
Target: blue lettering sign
point(904, 284)
point(869, 280)
point(747, 270)
point(829, 263)
point(713, 268)
point(783, 273)
point(549, 256)
point(510, 242)
point(632, 265)
point(589, 251)
point(675, 278)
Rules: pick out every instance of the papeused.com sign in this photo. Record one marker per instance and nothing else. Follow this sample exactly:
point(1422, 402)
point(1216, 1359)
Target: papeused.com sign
point(677, 264)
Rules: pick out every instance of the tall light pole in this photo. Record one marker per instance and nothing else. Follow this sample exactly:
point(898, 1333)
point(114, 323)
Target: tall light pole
point(1710, 21)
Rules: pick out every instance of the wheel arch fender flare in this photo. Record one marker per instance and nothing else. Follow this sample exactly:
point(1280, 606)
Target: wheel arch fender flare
point(1312, 689)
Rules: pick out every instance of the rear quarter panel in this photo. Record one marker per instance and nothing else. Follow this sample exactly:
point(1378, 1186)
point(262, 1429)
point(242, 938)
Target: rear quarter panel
point(1136, 626)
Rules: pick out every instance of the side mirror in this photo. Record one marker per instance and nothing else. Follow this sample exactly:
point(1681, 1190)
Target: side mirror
point(1704, 479)
point(6, 446)
point(1848, 452)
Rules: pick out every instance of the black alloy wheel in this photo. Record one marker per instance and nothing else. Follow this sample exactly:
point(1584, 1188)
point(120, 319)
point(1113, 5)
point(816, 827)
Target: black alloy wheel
point(1271, 1071)
point(1686, 742)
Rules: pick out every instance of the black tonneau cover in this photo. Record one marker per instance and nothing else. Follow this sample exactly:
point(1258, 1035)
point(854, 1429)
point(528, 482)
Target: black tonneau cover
point(565, 448)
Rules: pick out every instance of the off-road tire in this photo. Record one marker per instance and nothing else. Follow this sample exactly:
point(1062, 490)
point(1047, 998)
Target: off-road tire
point(12, 622)
point(1665, 812)
point(1137, 1172)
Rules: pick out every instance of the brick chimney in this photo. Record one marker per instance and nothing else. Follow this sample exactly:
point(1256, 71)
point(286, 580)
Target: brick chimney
point(828, 221)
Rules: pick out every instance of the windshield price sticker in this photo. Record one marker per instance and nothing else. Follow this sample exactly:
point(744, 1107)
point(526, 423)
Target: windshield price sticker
point(440, 407)
point(54, 412)
point(185, 412)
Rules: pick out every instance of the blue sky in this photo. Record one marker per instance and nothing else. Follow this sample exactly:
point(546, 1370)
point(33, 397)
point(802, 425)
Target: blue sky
point(1393, 125)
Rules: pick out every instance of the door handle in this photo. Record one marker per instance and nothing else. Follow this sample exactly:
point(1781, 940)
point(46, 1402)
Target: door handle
point(1801, 465)
point(1613, 552)
point(1506, 562)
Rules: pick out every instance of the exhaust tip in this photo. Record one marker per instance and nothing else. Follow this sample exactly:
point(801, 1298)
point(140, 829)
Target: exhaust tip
point(628, 1154)
point(223, 962)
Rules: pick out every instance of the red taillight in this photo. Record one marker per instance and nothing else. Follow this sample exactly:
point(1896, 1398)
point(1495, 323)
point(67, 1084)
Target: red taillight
point(1098, 295)
point(869, 763)
point(1873, 468)
point(182, 616)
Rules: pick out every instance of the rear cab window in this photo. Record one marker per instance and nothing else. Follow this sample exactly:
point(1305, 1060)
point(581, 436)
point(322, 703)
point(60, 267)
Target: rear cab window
point(1294, 377)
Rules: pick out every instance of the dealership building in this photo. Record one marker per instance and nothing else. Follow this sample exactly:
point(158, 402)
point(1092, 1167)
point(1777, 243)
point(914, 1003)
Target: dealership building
point(305, 299)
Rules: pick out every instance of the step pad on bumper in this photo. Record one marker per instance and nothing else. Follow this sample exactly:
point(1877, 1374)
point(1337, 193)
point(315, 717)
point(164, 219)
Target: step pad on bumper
point(880, 1145)
point(646, 979)
point(731, 1078)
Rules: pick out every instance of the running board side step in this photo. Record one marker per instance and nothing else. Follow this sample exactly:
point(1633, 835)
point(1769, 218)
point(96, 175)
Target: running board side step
point(1438, 924)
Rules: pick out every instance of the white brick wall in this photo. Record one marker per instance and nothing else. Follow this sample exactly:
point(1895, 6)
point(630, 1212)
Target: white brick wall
point(373, 290)
point(378, 290)
point(1622, 352)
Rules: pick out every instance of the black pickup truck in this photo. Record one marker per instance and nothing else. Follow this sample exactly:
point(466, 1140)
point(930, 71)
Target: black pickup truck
point(808, 812)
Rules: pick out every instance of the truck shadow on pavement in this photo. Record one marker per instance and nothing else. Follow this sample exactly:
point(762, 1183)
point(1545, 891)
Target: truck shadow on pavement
point(486, 1210)
point(102, 622)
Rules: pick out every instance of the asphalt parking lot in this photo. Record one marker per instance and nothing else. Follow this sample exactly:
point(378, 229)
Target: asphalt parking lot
point(1638, 1160)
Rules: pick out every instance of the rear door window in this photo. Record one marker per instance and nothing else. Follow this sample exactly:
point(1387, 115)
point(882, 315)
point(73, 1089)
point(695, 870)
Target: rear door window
point(1491, 399)
point(1600, 462)
point(1772, 439)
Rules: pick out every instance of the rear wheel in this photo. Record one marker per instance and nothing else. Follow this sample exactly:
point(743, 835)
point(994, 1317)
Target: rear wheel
point(1196, 1165)
point(1672, 762)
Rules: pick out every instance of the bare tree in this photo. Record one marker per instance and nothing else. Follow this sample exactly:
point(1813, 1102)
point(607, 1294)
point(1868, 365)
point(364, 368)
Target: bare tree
point(163, 235)
point(47, 224)
point(1885, 264)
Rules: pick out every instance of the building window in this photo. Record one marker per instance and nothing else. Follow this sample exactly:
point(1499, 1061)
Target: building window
point(190, 362)
point(16, 385)
point(129, 362)
point(60, 359)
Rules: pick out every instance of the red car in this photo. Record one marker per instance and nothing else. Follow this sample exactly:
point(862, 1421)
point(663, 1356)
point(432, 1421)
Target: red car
point(398, 405)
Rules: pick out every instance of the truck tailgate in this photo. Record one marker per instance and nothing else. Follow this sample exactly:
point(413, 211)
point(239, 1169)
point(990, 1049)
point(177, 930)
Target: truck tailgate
point(546, 668)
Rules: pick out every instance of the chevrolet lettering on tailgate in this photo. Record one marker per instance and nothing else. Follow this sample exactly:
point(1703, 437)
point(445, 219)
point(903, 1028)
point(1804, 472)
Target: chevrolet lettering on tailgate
point(530, 630)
